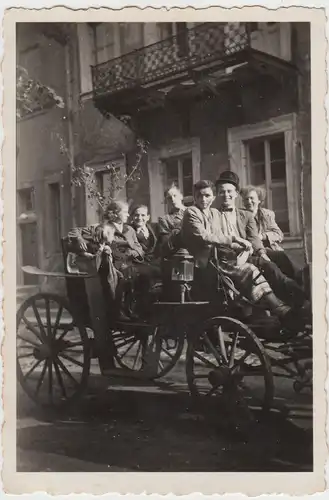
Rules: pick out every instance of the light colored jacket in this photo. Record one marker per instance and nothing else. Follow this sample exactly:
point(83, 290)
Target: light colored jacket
point(269, 231)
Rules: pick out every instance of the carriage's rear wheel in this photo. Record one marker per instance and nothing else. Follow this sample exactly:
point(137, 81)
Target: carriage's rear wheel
point(53, 351)
point(227, 359)
point(152, 353)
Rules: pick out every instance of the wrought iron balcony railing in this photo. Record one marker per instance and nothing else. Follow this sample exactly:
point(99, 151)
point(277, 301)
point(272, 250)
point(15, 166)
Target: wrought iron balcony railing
point(202, 45)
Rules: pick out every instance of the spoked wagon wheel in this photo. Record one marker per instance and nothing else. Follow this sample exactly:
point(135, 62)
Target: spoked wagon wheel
point(53, 354)
point(151, 352)
point(227, 359)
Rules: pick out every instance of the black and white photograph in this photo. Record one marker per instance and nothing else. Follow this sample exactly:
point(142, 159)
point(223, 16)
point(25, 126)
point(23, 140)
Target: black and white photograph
point(164, 310)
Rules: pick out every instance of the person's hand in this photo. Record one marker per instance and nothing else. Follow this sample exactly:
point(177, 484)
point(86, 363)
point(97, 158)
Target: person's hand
point(243, 243)
point(88, 255)
point(107, 249)
point(82, 244)
point(237, 247)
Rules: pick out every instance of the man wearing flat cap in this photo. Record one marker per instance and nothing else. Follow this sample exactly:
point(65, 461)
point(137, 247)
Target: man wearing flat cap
point(239, 222)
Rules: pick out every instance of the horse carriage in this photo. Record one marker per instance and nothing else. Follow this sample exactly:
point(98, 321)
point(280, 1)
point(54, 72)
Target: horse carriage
point(225, 353)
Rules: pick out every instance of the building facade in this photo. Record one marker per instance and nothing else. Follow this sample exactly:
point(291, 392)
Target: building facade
point(206, 97)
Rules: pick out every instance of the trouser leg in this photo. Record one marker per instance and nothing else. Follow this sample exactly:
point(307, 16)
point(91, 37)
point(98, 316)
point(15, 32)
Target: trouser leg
point(284, 263)
point(284, 288)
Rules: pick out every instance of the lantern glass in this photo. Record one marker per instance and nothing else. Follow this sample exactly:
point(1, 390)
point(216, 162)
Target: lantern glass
point(183, 271)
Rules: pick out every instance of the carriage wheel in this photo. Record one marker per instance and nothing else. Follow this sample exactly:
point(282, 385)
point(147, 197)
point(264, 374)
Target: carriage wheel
point(152, 354)
point(227, 359)
point(53, 354)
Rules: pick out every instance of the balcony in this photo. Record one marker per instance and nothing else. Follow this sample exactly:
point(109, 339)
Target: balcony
point(148, 74)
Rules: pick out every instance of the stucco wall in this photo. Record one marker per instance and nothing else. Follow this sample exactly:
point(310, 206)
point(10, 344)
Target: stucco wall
point(39, 158)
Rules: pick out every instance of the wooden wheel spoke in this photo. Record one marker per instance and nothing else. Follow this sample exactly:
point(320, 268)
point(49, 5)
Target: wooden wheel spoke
point(222, 344)
point(31, 370)
point(34, 344)
point(167, 352)
point(75, 344)
point(73, 351)
point(233, 350)
point(37, 317)
point(241, 361)
point(124, 341)
point(67, 329)
point(205, 360)
point(50, 379)
point(60, 379)
point(42, 376)
point(47, 304)
point(213, 349)
point(33, 329)
point(58, 317)
point(66, 371)
point(69, 358)
point(128, 349)
point(137, 354)
point(28, 355)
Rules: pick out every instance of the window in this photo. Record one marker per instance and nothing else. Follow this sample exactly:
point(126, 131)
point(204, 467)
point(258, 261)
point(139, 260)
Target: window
point(257, 26)
point(104, 42)
point(178, 171)
point(266, 158)
point(253, 27)
point(131, 37)
point(55, 219)
point(166, 30)
point(111, 184)
point(26, 200)
point(265, 153)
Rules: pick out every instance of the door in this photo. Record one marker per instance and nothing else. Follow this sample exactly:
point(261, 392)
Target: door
point(29, 250)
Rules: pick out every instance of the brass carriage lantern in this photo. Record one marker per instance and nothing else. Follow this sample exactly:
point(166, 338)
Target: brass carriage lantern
point(182, 271)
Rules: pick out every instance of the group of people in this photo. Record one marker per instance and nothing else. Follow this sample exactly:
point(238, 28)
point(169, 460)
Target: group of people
point(242, 244)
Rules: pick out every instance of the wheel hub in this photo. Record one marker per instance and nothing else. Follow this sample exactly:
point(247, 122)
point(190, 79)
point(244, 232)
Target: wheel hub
point(41, 353)
point(220, 377)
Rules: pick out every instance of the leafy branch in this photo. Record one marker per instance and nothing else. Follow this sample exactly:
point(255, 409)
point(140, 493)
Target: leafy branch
point(33, 96)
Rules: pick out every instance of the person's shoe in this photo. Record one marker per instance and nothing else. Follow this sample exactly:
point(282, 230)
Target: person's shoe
point(292, 322)
point(123, 317)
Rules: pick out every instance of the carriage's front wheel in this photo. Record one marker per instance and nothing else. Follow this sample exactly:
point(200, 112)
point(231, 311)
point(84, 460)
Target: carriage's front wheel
point(225, 358)
point(53, 351)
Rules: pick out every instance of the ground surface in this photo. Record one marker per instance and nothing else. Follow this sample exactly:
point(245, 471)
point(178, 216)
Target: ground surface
point(120, 426)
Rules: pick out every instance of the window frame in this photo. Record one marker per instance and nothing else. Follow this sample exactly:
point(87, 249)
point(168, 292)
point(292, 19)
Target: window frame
point(156, 158)
point(269, 182)
point(286, 124)
point(99, 167)
point(180, 159)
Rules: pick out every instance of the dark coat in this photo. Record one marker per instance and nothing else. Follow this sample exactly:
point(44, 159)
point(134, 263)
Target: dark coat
point(169, 233)
point(148, 244)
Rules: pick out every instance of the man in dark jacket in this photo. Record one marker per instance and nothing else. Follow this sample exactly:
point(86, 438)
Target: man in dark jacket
point(169, 225)
point(235, 221)
point(140, 221)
